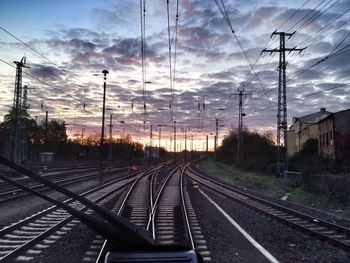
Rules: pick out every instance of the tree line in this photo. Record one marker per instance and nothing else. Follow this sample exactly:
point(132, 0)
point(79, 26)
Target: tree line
point(52, 137)
point(257, 154)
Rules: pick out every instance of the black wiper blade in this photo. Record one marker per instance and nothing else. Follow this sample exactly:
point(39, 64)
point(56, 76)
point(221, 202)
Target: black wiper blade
point(96, 224)
point(128, 234)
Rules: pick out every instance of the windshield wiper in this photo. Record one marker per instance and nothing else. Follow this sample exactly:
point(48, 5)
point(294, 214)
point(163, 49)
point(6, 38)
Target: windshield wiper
point(130, 242)
point(130, 235)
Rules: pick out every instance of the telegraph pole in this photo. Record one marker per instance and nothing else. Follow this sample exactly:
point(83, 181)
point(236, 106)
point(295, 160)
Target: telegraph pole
point(83, 152)
point(110, 148)
point(282, 144)
point(216, 134)
point(46, 127)
point(159, 139)
point(185, 145)
point(151, 141)
point(104, 72)
point(207, 138)
point(174, 141)
point(241, 114)
point(160, 136)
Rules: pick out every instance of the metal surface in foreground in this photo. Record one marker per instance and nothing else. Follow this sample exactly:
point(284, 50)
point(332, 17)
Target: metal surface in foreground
point(188, 256)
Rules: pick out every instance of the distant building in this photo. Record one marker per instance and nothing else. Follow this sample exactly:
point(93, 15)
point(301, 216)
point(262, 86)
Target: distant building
point(334, 135)
point(303, 129)
point(151, 152)
point(5, 146)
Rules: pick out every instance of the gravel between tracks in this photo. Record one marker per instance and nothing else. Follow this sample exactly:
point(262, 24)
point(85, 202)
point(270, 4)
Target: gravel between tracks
point(300, 208)
point(285, 243)
point(224, 242)
point(11, 212)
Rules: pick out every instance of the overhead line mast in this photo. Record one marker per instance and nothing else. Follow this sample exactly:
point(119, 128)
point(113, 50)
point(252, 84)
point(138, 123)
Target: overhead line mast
point(282, 143)
point(19, 105)
point(240, 94)
point(143, 57)
point(172, 64)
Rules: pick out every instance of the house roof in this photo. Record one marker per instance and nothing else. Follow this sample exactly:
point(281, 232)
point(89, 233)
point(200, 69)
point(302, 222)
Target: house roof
point(336, 113)
point(314, 117)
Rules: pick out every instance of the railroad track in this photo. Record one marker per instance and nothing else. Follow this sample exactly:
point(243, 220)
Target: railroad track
point(48, 174)
point(11, 194)
point(326, 231)
point(156, 202)
point(36, 231)
point(53, 174)
point(133, 205)
point(163, 208)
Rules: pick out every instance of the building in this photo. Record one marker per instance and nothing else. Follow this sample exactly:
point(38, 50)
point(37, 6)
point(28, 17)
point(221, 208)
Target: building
point(334, 135)
point(303, 129)
point(151, 152)
point(5, 146)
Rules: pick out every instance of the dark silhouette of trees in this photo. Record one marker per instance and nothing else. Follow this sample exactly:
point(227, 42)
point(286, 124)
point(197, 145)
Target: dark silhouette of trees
point(57, 141)
point(259, 152)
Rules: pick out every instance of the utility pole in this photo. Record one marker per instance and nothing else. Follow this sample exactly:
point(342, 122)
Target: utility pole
point(192, 143)
point(110, 148)
point(174, 141)
point(82, 135)
point(104, 72)
point(216, 133)
point(24, 132)
point(241, 114)
point(83, 152)
point(207, 143)
point(159, 138)
point(185, 145)
point(282, 144)
point(46, 129)
point(151, 141)
point(16, 127)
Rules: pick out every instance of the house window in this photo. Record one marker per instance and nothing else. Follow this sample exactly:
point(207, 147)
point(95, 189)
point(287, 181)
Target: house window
point(320, 140)
point(331, 135)
point(327, 139)
point(323, 139)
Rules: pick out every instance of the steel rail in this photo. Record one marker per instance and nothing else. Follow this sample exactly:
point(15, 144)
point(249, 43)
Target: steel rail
point(184, 210)
point(155, 205)
point(7, 229)
point(299, 220)
point(152, 170)
point(47, 175)
point(56, 226)
point(11, 195)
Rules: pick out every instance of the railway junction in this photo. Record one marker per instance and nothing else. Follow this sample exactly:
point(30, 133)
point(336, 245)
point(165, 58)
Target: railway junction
point(177, 204)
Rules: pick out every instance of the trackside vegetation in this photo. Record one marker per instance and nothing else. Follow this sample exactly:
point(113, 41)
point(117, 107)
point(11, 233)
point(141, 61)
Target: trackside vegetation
point(258, 151)
point(274, 186)
point(257, 171)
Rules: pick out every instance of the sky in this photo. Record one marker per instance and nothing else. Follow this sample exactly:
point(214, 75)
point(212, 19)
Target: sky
point(67, 44)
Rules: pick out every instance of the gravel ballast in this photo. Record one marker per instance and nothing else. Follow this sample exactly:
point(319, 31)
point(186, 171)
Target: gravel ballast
point(285, 243)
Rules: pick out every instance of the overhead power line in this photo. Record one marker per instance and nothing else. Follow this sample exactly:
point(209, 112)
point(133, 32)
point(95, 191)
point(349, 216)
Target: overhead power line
point(331, 54)
point(172, 40)
point(315, 16)
point(306, 15)
point(37, 52)
point(293, 14)
point(39, 80)
point(305, 96)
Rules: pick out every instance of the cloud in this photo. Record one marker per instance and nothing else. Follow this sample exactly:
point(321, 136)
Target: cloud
point(46, 73)
point(209, 63)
